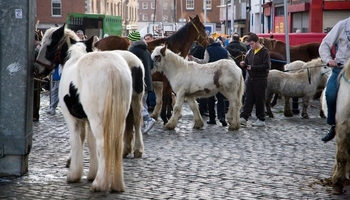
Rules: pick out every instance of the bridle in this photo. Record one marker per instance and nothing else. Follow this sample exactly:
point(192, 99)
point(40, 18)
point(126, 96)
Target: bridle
point(55, 59)
point(199, 34)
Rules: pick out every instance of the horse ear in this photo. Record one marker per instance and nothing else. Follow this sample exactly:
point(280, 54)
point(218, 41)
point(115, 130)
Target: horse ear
point(162, 51)
point(190, 18)
point(59, 32)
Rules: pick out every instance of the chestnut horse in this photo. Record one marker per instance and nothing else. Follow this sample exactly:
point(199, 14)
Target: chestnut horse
point(113, 43)
point(304, 52)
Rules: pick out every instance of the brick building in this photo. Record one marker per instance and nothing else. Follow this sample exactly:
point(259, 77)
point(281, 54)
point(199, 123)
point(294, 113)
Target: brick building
point(50, 13)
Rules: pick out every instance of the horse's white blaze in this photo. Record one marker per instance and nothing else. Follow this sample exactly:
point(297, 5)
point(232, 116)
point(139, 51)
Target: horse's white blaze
point(192, 80)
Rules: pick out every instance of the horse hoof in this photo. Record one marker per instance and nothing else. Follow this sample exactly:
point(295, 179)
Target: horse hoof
point(137, 154)
point(305, 116)
point(288, 114)
point(337, 189)
point(168, 127)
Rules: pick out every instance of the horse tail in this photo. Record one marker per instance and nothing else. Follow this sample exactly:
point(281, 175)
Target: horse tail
point(117, 104)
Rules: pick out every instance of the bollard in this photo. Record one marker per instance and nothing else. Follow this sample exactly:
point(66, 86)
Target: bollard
point(17, 19)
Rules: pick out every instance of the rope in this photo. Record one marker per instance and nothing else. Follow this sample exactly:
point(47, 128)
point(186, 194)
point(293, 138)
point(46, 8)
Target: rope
point(289, 70)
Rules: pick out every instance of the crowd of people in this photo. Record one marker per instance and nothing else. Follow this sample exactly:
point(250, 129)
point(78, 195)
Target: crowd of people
point(256, 65)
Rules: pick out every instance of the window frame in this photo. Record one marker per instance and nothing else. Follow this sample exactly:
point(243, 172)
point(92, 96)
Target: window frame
point(56, 8)
point(188, 4)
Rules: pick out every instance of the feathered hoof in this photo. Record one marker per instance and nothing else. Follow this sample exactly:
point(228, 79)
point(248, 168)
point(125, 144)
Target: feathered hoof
point(288, 114)
point(305, 116)
point(138, 154)
point(233, 127)
point(98, 188)
point(126, 151)
point(154, 116)
point(198, 125)
point(73, 178)
point(337, 189)
point(168, 126)
point(118, 188)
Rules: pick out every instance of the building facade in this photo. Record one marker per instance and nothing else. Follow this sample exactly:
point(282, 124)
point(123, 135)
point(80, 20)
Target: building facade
point(53, 12)
point(157, 17)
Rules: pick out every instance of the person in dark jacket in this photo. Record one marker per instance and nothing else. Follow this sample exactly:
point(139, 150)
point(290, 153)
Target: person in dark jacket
point(139, 48)
point(197, 51)
point(258, 64)
point(236, 43)
point(214, 52)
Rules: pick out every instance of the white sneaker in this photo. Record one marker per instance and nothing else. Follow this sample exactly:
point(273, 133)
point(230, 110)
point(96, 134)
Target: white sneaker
point(243, 121)
point(148, 125)
point(51, 111)
point(258, 122)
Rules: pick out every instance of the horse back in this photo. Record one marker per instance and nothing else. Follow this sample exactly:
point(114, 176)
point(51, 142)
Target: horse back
point(112, 43)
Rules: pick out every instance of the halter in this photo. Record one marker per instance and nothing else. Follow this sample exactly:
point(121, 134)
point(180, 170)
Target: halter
point(242, 57)
point(56, 58)
point(308, 71)
point(199, 35)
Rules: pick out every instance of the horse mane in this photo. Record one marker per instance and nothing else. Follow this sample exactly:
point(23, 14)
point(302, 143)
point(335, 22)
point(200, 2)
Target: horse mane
point(68, 34)
point(176, 59)
point(180, 34)
point(76, 51)
point(313, 66)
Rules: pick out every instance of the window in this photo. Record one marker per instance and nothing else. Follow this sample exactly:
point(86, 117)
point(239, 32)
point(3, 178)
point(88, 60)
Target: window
point(209, 3)
point(153, 5)
point(152, 18)
point(165, 6)
point(144, 5)
point(144, 17)
point(56, 8)
point(279, 11)
point(190, 4)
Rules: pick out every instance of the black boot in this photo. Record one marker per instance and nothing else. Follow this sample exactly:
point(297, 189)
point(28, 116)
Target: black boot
point(223, 122)
point(211, 121)
point(330, 135)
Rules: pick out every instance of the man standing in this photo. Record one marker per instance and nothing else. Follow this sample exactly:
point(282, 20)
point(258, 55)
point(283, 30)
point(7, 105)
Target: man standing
point(258, 64)
point(339, 34)
point(139, 48)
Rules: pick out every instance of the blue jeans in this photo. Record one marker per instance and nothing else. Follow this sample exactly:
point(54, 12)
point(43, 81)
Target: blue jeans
point(145, 113)
point(54, 94)
point(331, 95)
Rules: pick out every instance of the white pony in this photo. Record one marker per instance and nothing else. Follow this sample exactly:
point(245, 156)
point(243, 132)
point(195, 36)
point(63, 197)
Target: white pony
point(191, 80)
point(302, 83)
point(88, 96)
point(342, 118)
point(95, 90)
point(297, 65)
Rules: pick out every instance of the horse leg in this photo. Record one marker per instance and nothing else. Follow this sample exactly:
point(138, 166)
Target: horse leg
point(76, 130)
point(177, 112)
point(342, 156)
point(101, 182)
point(233, 111)
point(287, 108)
point(137, 113)
point(274, 101)
point(305, 106)
point(93, 163)
point(167, 94)
point(157, 87)
point(128, 133)
point(268, 105)
point(198, 120)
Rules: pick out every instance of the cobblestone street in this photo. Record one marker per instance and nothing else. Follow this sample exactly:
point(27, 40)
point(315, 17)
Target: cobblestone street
point(284, 160)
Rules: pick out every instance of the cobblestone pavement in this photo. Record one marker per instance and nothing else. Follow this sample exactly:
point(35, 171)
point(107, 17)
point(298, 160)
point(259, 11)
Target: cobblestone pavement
point(284, 160)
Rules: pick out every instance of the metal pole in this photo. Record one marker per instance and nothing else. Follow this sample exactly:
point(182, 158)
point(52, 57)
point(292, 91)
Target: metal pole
point(205, 11)
point(182, 14)
point(286, 30)
point(232, 16)
point(226, 23)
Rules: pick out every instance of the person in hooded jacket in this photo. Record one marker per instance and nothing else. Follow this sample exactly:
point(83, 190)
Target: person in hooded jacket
point(258, 64)
point(139, 47)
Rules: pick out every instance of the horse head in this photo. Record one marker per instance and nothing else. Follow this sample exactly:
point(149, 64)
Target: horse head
point(158, 55)
point(317, 66)
point(54, 47)
point(202, 37)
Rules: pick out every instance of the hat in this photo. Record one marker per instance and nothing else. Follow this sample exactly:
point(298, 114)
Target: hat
point(134, 36)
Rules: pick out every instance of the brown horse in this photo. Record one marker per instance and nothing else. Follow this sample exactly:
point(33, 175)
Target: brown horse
point(113, 43)
point(304, 52)
point(179, 42)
